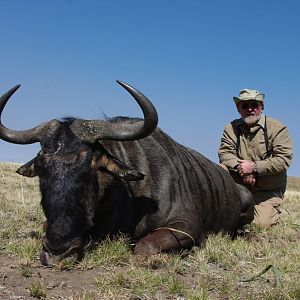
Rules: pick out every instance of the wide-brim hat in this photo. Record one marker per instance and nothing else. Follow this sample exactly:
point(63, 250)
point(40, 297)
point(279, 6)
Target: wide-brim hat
point(247, 94)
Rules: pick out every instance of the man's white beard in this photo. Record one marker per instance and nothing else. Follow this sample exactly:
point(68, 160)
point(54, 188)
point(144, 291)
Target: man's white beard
point(251, 120)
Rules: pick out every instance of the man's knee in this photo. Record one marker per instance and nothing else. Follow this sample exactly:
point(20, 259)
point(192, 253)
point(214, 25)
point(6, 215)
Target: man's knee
point(267, 213)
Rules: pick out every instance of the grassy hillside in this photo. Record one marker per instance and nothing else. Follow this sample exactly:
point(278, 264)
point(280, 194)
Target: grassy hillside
point(263, 265)
point(293, 183)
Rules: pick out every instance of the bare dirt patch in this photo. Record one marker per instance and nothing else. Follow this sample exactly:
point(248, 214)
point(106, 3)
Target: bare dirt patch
point(57, 284)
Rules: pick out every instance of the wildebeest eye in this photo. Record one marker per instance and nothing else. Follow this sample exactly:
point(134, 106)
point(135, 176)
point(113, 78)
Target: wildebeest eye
point(83, 153)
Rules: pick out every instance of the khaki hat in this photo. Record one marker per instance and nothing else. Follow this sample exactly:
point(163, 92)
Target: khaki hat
point(247, 94)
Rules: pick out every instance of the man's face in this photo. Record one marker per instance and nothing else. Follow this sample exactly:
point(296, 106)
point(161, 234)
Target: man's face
point(250, 111)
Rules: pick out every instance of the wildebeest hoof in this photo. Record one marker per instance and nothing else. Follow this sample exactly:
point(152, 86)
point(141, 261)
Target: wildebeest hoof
point(145, 249)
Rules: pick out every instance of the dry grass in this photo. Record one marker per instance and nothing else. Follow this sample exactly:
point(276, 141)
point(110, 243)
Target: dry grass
point(293, 183)
point(223, 269)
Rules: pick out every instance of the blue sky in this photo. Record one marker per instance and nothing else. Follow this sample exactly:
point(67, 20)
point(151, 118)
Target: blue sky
point(188, 56)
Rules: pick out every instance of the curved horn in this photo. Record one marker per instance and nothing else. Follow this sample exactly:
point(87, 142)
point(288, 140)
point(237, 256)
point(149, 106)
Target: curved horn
point(18, 137)
point(92, 130)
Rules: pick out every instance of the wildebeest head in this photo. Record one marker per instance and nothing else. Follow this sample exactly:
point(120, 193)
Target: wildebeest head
point(67, 164)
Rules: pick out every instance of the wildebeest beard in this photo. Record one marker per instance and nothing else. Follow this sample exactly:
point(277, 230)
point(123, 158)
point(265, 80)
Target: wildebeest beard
point(67, 185)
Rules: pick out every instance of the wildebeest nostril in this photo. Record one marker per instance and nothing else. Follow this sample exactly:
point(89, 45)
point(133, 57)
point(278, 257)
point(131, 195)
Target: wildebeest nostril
point(55, 248)
point(51, 254)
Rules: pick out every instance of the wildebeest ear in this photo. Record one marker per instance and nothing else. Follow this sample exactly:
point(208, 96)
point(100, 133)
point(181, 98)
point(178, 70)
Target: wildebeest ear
point(117, 167)
point(27, 169)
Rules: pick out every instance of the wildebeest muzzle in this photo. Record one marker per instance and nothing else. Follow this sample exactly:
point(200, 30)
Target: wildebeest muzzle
point(52, 254)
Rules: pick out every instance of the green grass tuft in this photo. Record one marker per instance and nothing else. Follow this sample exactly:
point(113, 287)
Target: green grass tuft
point(36, 290)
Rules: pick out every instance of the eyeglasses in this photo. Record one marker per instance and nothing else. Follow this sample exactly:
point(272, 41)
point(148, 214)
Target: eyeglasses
point(252, 105)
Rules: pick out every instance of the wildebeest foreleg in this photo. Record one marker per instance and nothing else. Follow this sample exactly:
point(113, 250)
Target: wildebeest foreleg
point(163, 239)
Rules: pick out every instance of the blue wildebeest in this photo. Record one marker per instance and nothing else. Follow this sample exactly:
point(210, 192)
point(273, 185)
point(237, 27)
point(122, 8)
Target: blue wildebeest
point(100, 177)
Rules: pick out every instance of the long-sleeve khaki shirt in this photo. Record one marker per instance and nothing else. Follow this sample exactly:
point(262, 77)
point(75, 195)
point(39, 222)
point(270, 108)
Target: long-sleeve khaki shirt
point(272, 176)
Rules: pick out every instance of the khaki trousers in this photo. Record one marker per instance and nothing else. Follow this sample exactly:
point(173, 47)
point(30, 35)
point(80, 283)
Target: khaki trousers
point(267, 213)
point(267, 208)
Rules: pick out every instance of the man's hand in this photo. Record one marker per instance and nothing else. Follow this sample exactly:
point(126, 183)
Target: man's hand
point(245, 167)
point(249, 179)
